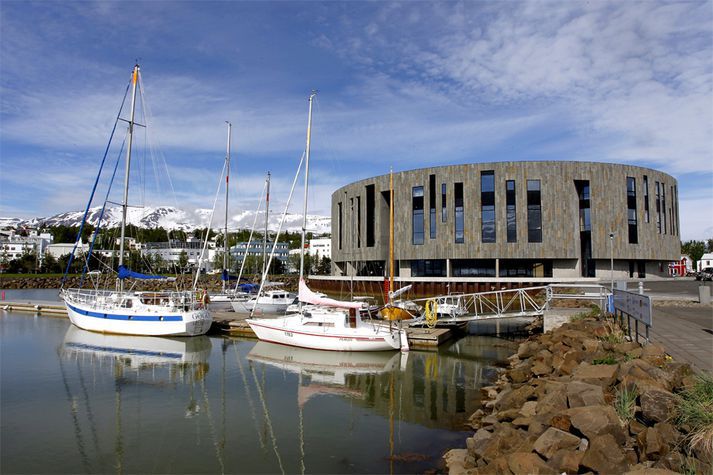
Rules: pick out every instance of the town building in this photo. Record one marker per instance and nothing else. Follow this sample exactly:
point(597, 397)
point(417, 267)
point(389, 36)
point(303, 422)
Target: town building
point(537, 219)
point(706, 260)
point(14, 244)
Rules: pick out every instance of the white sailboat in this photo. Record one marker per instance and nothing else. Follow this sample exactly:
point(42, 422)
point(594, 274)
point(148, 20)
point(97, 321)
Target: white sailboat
point(327, 324)
point(171, 313)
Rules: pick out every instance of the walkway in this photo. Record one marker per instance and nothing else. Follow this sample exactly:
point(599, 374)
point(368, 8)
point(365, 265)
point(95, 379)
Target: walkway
point(686, 332)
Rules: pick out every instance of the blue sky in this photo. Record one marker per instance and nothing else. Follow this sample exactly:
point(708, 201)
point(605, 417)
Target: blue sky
point(402, 84)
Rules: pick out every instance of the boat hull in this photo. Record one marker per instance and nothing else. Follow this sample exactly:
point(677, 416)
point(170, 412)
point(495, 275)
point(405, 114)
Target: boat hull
point(246, 307)
point(126, 322)
point(282, 331)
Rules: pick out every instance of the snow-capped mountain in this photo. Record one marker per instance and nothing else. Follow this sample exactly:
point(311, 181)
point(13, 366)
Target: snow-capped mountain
point(169, 217)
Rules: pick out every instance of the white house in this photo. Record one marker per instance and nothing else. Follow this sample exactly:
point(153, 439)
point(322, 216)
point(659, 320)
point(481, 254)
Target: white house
point(706, 260)
point(13, 246)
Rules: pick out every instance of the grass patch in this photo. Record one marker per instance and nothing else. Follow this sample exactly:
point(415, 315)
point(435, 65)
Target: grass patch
point(608, 359)
point(695, 413)
point(592, 313)
point(625, 402)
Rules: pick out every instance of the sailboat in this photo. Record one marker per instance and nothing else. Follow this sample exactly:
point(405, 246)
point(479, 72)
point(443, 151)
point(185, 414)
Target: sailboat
point(396, 309)
point(122, 311)
point(328, 324)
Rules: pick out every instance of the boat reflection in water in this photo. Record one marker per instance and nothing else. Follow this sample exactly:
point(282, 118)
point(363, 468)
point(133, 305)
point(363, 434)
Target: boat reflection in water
point(326, 372)
point(144, 373)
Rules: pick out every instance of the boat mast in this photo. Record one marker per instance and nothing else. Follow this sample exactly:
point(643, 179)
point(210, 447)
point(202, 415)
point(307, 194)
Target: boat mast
point(267, 216)
point(304, 212)
point(391, 234)
point(125, 204)
point(227, 188)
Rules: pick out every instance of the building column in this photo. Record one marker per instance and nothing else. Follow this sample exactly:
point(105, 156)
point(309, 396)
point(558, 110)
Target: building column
point(497, 267)
point(448, 267)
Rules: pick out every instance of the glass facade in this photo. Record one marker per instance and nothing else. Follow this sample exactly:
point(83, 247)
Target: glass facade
point(370, 215)
point(585, 228)
point(417, 214)
point(487, 206)
point(428, 268)
point(646, 199)
point(432, 206)
point(663, 208)
point(631, 210)
point(458, 207)
point(339, 224)
point(534, 211)
point(444, 212)
point(658, 207)
point(511, 210)
point(473, 267)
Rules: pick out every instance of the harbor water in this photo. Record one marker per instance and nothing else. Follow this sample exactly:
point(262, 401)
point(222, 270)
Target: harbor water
point(73, 401)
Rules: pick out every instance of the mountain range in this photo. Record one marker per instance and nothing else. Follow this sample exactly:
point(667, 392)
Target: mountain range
point(169, 217)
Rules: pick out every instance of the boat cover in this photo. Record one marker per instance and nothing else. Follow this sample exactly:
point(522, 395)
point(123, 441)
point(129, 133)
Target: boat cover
point(249, 288)
point(227, 277)
point(125, 272)
point(307, 296)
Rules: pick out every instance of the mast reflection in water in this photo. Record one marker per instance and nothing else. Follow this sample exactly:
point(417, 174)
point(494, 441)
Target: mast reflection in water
point(93, 403)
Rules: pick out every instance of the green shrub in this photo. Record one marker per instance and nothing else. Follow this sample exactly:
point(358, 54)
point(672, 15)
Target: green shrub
point(625, 402)
point(695, 413)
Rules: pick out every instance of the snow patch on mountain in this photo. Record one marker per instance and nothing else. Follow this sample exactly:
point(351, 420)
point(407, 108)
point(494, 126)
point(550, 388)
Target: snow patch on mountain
point(172, 218)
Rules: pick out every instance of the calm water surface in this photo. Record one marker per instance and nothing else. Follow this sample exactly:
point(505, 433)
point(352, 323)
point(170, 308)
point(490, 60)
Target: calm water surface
point(78, 402)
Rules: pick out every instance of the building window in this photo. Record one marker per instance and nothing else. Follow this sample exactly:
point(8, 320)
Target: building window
point(585, 228)
point(663, 208)
point(358, 220)
point(658, 206)
point(428, 268)
point(370, 214)
point(444, 213)
point(487, 205)
point(631, 209)
point(671, 220)
point(646, 199)
point(339, 224)
point(417, 214)
point(473, 267)
point(534, 211)
point(675, 207)
point(511, 210)
point(458, 207)
point(432, 206)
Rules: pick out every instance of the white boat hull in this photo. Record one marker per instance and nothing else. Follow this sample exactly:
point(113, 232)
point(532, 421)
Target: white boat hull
point(246, 307)
point(220, 303)
point(289, 331)
point(128, 322)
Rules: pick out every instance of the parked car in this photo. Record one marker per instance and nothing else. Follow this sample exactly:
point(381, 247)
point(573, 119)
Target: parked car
point(705, 274)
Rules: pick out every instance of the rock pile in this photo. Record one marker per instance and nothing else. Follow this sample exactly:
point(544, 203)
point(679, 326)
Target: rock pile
point(553, 410)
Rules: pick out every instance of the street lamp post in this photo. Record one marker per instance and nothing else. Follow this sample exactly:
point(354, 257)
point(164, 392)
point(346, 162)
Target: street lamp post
point(611, 263)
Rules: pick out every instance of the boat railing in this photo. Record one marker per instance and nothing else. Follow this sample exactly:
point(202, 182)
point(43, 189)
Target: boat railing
point(114, 299)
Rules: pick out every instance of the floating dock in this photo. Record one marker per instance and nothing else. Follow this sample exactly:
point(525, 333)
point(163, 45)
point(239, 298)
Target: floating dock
point(43, 308)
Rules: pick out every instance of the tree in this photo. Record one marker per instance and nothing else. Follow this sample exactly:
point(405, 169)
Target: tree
point(693, 249)
point(709, 245)
point(325, 266)
point(183, 260)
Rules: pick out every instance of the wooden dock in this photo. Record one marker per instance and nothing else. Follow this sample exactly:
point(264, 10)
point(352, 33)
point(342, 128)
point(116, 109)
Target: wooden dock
point(42, 308)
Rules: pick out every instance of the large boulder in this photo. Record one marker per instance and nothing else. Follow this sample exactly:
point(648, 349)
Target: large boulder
point(457, 460)
point(527, 349)
point(604, 455)
point(566, 461)
point(503, 442)
point(580, 394)
point(657, 405)
point(526, 463)
point(593, 421)
point(602, 375)
point(553, 440)
point(651, 444)
point(514, 398)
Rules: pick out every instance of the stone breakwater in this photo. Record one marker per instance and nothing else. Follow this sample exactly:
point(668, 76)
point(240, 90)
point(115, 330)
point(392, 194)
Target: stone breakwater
point(553, 409)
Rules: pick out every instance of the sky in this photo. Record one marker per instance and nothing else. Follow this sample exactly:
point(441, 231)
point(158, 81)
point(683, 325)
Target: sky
point(400, 84)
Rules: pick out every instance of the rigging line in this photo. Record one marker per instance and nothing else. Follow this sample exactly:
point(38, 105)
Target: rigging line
point(96, 182)
point(267, 419)
point(90, 413)
point(101, 215)
point(211, 426)
point(302, 429)
point(207, 231)
point(279, 229)
point(250, 238)
point(75, 419)
point(248, 396)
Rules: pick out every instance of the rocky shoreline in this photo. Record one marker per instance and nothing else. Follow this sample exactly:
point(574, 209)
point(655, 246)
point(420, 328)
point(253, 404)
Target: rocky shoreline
point(582, 399)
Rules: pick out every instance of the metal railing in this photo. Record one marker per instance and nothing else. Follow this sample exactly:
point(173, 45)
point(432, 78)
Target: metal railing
point(521, 302)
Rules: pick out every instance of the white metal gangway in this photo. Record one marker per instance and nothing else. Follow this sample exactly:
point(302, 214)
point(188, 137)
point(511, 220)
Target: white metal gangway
point(456, 309)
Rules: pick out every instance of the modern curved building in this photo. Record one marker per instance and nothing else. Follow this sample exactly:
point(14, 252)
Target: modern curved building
point(510, 219)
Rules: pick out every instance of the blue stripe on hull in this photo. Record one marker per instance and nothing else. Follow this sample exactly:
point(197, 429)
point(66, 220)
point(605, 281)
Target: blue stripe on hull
point(124, 351)
point(139, 318)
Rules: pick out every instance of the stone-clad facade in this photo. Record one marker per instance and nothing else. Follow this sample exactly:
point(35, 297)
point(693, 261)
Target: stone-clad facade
point(580, 204)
